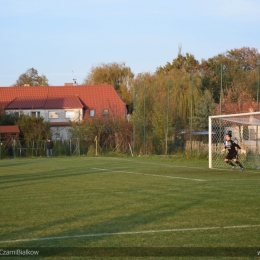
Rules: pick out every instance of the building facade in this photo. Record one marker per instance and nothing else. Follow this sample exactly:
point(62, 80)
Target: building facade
point(61, 105)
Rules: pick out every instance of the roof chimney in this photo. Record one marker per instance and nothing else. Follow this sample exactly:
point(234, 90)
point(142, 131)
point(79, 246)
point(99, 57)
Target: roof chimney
point(68, 84)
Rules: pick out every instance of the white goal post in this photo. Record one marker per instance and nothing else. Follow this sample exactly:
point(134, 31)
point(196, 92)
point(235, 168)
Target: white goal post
point(245, 130)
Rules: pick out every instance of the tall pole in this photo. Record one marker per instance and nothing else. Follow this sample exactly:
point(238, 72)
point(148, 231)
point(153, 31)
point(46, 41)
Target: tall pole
point(257, 102)
point(167, 118)
point(79, 133)
point(134, 119)
point(0, 145)
point(144, 124)
point(191, 110)
point(257, 97)
point(220, 100)
point(221, 89)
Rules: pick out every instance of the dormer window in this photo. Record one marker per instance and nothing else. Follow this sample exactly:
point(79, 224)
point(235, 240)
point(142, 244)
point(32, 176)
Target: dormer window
point(91, 112)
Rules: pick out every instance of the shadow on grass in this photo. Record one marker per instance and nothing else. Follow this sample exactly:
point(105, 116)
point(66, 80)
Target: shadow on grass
point(91, 234)
point(45, 175)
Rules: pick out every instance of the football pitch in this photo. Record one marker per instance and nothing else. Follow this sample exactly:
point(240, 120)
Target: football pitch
point(136, 207)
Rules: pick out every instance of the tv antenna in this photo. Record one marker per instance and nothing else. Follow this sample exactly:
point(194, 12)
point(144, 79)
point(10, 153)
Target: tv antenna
point(74, 80)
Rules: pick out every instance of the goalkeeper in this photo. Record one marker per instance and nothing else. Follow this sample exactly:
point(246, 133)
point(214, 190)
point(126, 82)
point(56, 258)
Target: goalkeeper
point(231, 146)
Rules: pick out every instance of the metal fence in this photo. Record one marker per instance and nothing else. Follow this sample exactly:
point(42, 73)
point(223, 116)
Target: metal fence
point(76, 147)
point(37, 148)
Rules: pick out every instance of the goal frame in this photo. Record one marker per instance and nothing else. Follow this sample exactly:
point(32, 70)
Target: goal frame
point(223, 116)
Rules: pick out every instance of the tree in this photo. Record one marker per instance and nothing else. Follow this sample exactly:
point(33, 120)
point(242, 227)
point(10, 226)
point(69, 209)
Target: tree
point(187, 63)
point(237, 99)
point(205, 107)
point(115, 74)
point(111, 135)
point(8, 119)
point(34, 130)
point(31, 78)
point(238, 65)
point(162, 108)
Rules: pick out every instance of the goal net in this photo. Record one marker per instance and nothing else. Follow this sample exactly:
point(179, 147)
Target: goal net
point(245, 130)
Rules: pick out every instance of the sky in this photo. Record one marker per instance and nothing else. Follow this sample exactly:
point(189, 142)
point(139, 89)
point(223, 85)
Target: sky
point(64, 39)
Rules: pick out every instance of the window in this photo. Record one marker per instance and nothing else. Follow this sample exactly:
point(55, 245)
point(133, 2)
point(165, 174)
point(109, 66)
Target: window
point(105, 112)
point(17, 114)
point(57, 136)
point(69, 114)
point(35, 114)
point(53, 114)
point(91, 112)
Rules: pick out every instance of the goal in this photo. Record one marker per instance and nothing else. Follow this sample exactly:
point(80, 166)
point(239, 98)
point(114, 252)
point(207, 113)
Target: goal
point(245, 130)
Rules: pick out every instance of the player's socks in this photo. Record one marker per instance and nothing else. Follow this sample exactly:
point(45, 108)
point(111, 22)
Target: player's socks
point(230, 163)
point(239, 164)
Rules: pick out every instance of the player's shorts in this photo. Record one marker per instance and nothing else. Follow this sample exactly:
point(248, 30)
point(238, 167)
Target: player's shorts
point(231, 156)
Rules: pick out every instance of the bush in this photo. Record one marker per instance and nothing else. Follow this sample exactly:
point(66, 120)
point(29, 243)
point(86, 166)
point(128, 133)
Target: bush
point(91, 150)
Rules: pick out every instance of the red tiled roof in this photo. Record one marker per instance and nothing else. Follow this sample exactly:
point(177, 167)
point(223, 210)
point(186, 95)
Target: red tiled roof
point(97, 97)
point(63, 102)
point(45, 103)
point(9, 129)
point(26, 103)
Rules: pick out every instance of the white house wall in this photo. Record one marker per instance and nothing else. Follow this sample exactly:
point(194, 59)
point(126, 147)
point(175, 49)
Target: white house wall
point(49, 116)
point(46, 114)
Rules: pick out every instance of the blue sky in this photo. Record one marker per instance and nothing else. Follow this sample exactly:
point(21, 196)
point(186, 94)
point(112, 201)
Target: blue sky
point(63, 39)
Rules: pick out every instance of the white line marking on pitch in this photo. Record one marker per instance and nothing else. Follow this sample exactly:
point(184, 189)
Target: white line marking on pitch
point(165, 176)
point(155, 175)
point(127, 233)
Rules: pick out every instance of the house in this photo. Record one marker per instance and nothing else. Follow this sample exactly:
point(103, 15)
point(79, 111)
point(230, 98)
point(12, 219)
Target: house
point(60, 105)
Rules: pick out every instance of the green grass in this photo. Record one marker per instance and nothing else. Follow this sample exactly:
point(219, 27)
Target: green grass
point(63, 198)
